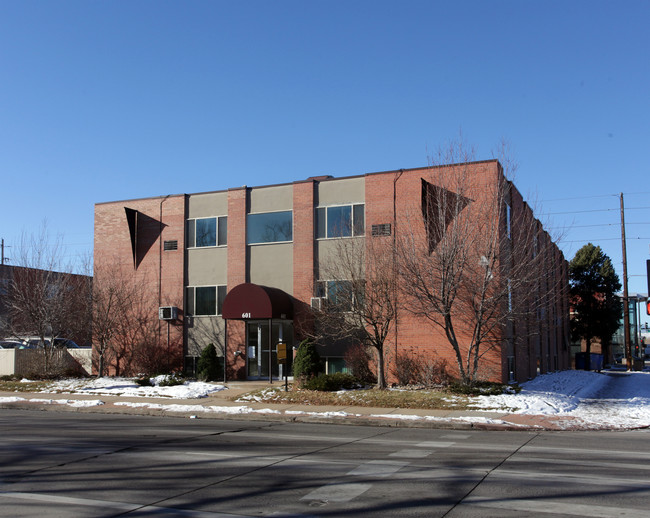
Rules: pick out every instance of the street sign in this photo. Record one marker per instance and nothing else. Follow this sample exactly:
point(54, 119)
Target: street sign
point(282, 353)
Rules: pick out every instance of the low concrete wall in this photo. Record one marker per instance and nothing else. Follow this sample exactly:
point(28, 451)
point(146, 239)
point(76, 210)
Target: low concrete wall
point(22, 361)
point(84, 357)
point(7, 362)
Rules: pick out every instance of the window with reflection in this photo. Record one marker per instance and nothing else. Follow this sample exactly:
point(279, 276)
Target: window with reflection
point(340, 221)
point(204, 232)
point(269, 227)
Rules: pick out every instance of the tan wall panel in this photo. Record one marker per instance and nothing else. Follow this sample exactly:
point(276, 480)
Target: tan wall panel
point(205, 205)
point(272, 265)
point(327, 251)
point(207, 266)
point(270, 199)
point(340, 192)
point(203, 331)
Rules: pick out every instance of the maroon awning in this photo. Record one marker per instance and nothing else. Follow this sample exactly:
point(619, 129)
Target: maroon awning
point(252, 301)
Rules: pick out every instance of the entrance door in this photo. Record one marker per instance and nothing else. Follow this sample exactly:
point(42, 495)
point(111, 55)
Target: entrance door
point(257, 350)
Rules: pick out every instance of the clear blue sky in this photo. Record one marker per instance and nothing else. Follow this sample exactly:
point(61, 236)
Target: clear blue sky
point(103, 101)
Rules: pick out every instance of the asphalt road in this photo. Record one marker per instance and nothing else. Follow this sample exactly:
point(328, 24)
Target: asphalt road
point(87, 465)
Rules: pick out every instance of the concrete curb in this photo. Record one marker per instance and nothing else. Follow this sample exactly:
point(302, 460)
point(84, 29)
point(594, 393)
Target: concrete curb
point(526, 424)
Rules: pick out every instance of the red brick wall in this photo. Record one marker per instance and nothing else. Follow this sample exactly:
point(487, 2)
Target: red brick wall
point(160, 272)
point(237, 274)
point(399, 193)
point(303, 254)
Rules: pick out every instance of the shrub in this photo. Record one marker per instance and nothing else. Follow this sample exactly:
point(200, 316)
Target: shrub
point(307, 362)
point(144, 381)
point(332, 382)
point(412, 371)
point(169, 380)
point(481, 388)
point(208, 365)
point(358, 360)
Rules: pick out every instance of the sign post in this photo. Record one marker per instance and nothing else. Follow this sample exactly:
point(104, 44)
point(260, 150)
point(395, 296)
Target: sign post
point(282, 360)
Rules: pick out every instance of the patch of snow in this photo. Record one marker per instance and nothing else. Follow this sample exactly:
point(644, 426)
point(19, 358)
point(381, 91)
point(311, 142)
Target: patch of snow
point(129, 388)
point(612, 399)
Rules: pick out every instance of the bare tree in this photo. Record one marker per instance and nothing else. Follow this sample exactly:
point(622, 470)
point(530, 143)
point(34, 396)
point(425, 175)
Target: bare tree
point(359, 281)
point(46, 299)
point(464, 265)
point(114, 295)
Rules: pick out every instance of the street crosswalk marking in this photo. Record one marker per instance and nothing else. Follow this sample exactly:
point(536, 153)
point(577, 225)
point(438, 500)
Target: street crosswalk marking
point(337, 492)
point(377, 468)
point(411, 454)
point(435, 444)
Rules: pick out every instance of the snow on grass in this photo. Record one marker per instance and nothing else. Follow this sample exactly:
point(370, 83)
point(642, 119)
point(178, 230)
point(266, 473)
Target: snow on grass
point(198, 408)
point(129, 388)
point(612, 399)
point(597, 400)
point(78, 403)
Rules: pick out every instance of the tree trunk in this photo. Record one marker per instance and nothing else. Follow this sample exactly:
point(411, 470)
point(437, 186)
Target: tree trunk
point(381, 380)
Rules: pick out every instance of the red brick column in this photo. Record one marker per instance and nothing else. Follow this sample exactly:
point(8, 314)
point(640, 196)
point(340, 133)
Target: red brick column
point(237, 274)
point(303, 254)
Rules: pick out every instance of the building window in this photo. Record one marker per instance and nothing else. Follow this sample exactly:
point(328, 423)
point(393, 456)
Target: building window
point(269, 227)
point(340, 221)
point(205, 232)
point(205, 300)
point(508, 220)
point(340, 295)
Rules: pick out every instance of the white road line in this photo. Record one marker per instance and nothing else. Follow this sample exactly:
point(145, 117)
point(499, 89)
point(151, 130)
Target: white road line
point(568, 479)
point(337, 492)
point(377, 468)
point(581, 462)
point(544, 505)
point(458, 436)
point(117, 506)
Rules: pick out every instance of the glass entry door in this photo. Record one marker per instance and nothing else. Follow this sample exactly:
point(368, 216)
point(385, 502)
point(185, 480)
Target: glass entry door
point(257, 347)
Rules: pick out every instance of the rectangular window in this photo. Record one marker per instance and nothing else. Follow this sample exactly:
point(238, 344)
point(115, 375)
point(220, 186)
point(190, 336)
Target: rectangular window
point(269, 227)
point(508, 220)
point(340, 295)
point(206, 232)
point(222, 237)
point(340, 221)
point(205, 300)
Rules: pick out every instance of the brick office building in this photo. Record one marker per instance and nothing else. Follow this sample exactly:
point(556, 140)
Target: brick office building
point(258, 250)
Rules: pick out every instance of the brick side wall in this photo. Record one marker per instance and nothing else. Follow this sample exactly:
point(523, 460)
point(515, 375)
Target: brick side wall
point(159, 272)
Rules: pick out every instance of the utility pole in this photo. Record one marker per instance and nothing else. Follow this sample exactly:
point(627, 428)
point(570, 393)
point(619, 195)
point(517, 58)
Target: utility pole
point(3, 259)
point(626, 305)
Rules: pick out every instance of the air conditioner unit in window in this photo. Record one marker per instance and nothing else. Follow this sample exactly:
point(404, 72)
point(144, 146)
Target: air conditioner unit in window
point(168, 313)
point(317, 303)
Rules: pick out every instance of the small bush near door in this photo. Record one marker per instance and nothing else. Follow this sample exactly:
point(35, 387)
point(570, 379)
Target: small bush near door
point(208, 366)
point(307, 363)
point(332, 382)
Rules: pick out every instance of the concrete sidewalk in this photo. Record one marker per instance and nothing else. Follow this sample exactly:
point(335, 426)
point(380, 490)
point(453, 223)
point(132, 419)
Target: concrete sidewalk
point(223, 405)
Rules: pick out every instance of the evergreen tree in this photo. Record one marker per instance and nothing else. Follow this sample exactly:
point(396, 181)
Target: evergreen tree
point(307, 362)
point(208, 366)
point(594, 284)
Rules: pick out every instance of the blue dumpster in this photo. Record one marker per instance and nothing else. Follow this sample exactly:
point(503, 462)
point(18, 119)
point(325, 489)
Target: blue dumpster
point(595, 361)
